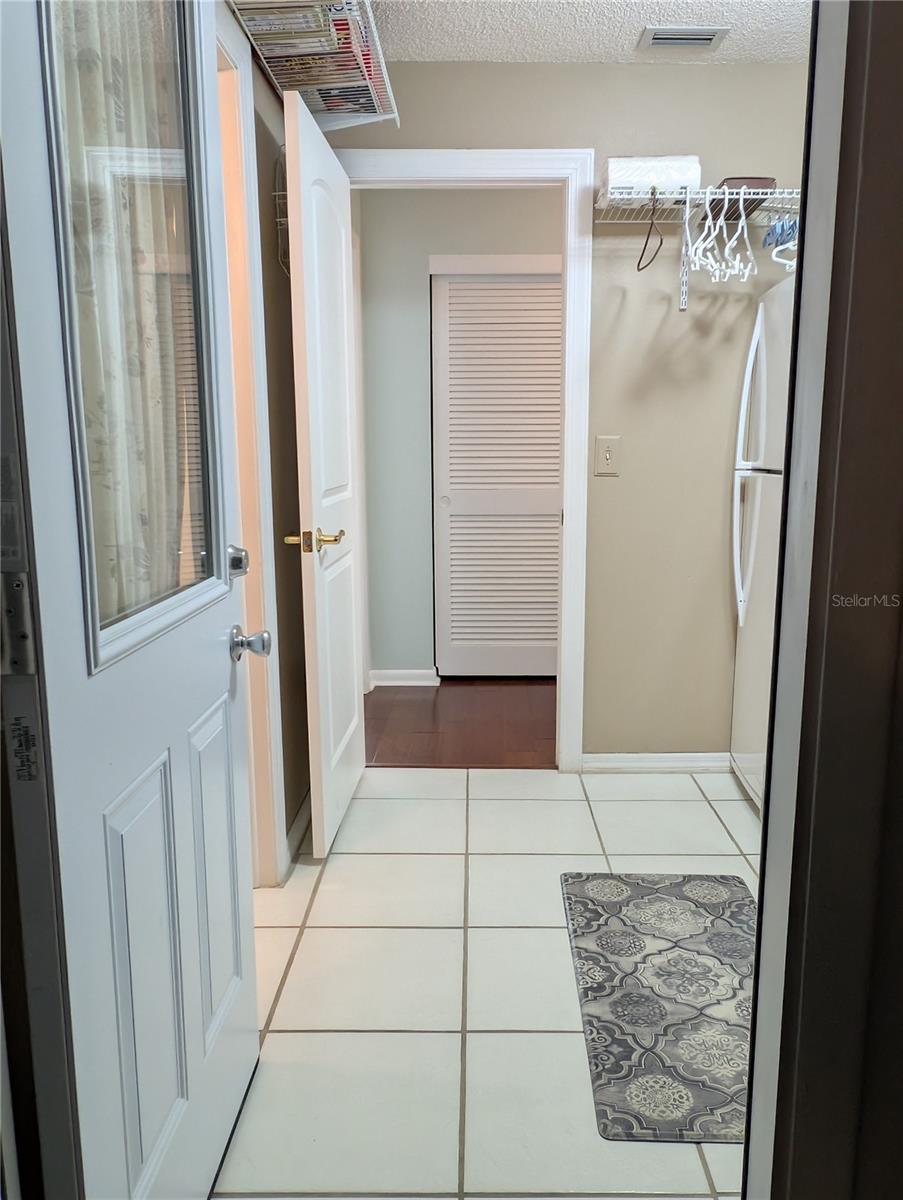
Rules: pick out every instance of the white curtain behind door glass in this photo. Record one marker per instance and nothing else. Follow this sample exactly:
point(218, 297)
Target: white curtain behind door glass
point(123, 152)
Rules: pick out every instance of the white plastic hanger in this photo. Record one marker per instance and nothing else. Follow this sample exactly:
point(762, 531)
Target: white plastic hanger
point(789, 264)
point(696, 261)
point(723, 268)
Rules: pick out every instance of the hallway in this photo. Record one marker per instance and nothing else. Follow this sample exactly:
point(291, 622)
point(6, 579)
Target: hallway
point(462, 723)
point(421, 1032)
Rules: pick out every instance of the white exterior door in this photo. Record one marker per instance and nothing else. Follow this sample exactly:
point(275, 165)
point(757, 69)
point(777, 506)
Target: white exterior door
point(497, 389)
point(117, 247)
point(319, 210)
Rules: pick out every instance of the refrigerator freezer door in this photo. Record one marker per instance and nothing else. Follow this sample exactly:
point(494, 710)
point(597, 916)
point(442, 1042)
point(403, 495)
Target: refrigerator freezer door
point(753, 409)
point(761, 497)
point(762, 426)
point(777, 312)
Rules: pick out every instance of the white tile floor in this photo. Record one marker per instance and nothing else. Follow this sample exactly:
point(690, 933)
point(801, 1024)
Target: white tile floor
point(421, 1032)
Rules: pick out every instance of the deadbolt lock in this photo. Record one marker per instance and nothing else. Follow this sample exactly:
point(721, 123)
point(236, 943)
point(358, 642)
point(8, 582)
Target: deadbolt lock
point(305, 540)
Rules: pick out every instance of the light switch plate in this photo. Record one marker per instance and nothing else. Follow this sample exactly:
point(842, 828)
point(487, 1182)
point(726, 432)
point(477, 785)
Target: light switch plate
point(608, 455)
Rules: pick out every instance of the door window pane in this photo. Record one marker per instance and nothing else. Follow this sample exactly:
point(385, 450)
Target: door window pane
point(127, 217)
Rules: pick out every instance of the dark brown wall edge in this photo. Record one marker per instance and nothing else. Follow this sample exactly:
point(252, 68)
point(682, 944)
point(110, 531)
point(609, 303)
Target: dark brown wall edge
point(840, 1104)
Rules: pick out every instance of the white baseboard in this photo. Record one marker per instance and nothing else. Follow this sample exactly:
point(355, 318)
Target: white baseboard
point(657, 762)
point(411, 678)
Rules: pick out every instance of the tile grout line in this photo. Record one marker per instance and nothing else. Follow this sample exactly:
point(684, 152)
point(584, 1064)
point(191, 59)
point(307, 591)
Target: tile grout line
point(421, 1032)
point(264, 1032)
point(740, 850)
point(431, 928)
point(294, 951)
point(592, 817)
point(524, 854)
point(703, 1161)
point(521, 1195)
point(699, 787)
point(743, 853)
point(462, 1098)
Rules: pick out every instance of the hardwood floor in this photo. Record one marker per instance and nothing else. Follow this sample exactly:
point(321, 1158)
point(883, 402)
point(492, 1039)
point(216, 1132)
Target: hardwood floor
point(462, 723)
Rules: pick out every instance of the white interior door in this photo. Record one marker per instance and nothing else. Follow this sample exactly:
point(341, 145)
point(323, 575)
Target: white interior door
point(319, 209)
point(117, 251)
point(497, 389)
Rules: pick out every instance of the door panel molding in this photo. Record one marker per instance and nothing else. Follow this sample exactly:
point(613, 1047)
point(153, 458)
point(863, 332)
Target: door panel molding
point(216, 874)
point(146, 948)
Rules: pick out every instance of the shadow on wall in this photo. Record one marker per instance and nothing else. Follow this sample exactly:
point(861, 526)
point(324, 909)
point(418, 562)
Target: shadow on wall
point(660, 627)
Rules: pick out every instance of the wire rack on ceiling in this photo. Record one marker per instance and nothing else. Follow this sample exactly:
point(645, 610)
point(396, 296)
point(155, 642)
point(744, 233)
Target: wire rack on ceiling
point(761, 205)
point(330, 53)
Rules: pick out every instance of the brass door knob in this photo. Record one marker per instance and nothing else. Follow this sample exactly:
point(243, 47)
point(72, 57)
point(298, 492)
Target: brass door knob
point(328, 539)
point(306, 540)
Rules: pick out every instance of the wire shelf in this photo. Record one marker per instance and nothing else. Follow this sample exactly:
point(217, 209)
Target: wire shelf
point(329, 52)
point(762, 205)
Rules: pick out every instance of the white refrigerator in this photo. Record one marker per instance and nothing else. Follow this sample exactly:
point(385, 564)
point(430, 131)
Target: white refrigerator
point(758, 487)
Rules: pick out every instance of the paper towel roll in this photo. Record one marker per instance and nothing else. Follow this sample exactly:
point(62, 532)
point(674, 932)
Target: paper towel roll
point(666, 173)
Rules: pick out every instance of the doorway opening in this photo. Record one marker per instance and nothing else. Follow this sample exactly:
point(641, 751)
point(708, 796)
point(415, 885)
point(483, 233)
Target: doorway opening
point(647, 806)
point(462, 375)
point(453, 215)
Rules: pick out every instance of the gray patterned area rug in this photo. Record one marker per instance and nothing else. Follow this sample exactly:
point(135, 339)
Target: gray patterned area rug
point(664, 967)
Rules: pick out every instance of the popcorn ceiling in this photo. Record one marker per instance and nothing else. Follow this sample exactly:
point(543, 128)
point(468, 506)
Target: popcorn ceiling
point(586, 30)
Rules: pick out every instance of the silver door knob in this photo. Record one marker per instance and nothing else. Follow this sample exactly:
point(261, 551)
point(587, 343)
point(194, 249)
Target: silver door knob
point(258, 643)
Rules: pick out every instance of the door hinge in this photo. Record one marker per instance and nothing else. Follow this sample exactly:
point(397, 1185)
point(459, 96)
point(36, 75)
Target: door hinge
point(18, 655)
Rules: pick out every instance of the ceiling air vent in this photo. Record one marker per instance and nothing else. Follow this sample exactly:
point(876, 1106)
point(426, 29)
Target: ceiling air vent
point(693, 37)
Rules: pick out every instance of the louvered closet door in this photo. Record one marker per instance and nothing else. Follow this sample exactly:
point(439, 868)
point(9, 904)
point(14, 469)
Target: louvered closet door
point(497, 387)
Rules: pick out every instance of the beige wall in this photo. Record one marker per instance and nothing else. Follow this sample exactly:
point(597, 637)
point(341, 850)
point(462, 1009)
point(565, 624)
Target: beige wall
point(399, 231)
point(659, 607)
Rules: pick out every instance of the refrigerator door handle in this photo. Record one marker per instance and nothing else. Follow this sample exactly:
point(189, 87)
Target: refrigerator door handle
point(735, 538)
point(756, 356)
point(743, 585)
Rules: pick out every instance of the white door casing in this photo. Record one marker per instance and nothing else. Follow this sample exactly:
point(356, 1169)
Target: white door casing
point(319, 214)
point(147, 715)
point(497, 472)
point(571, 171)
